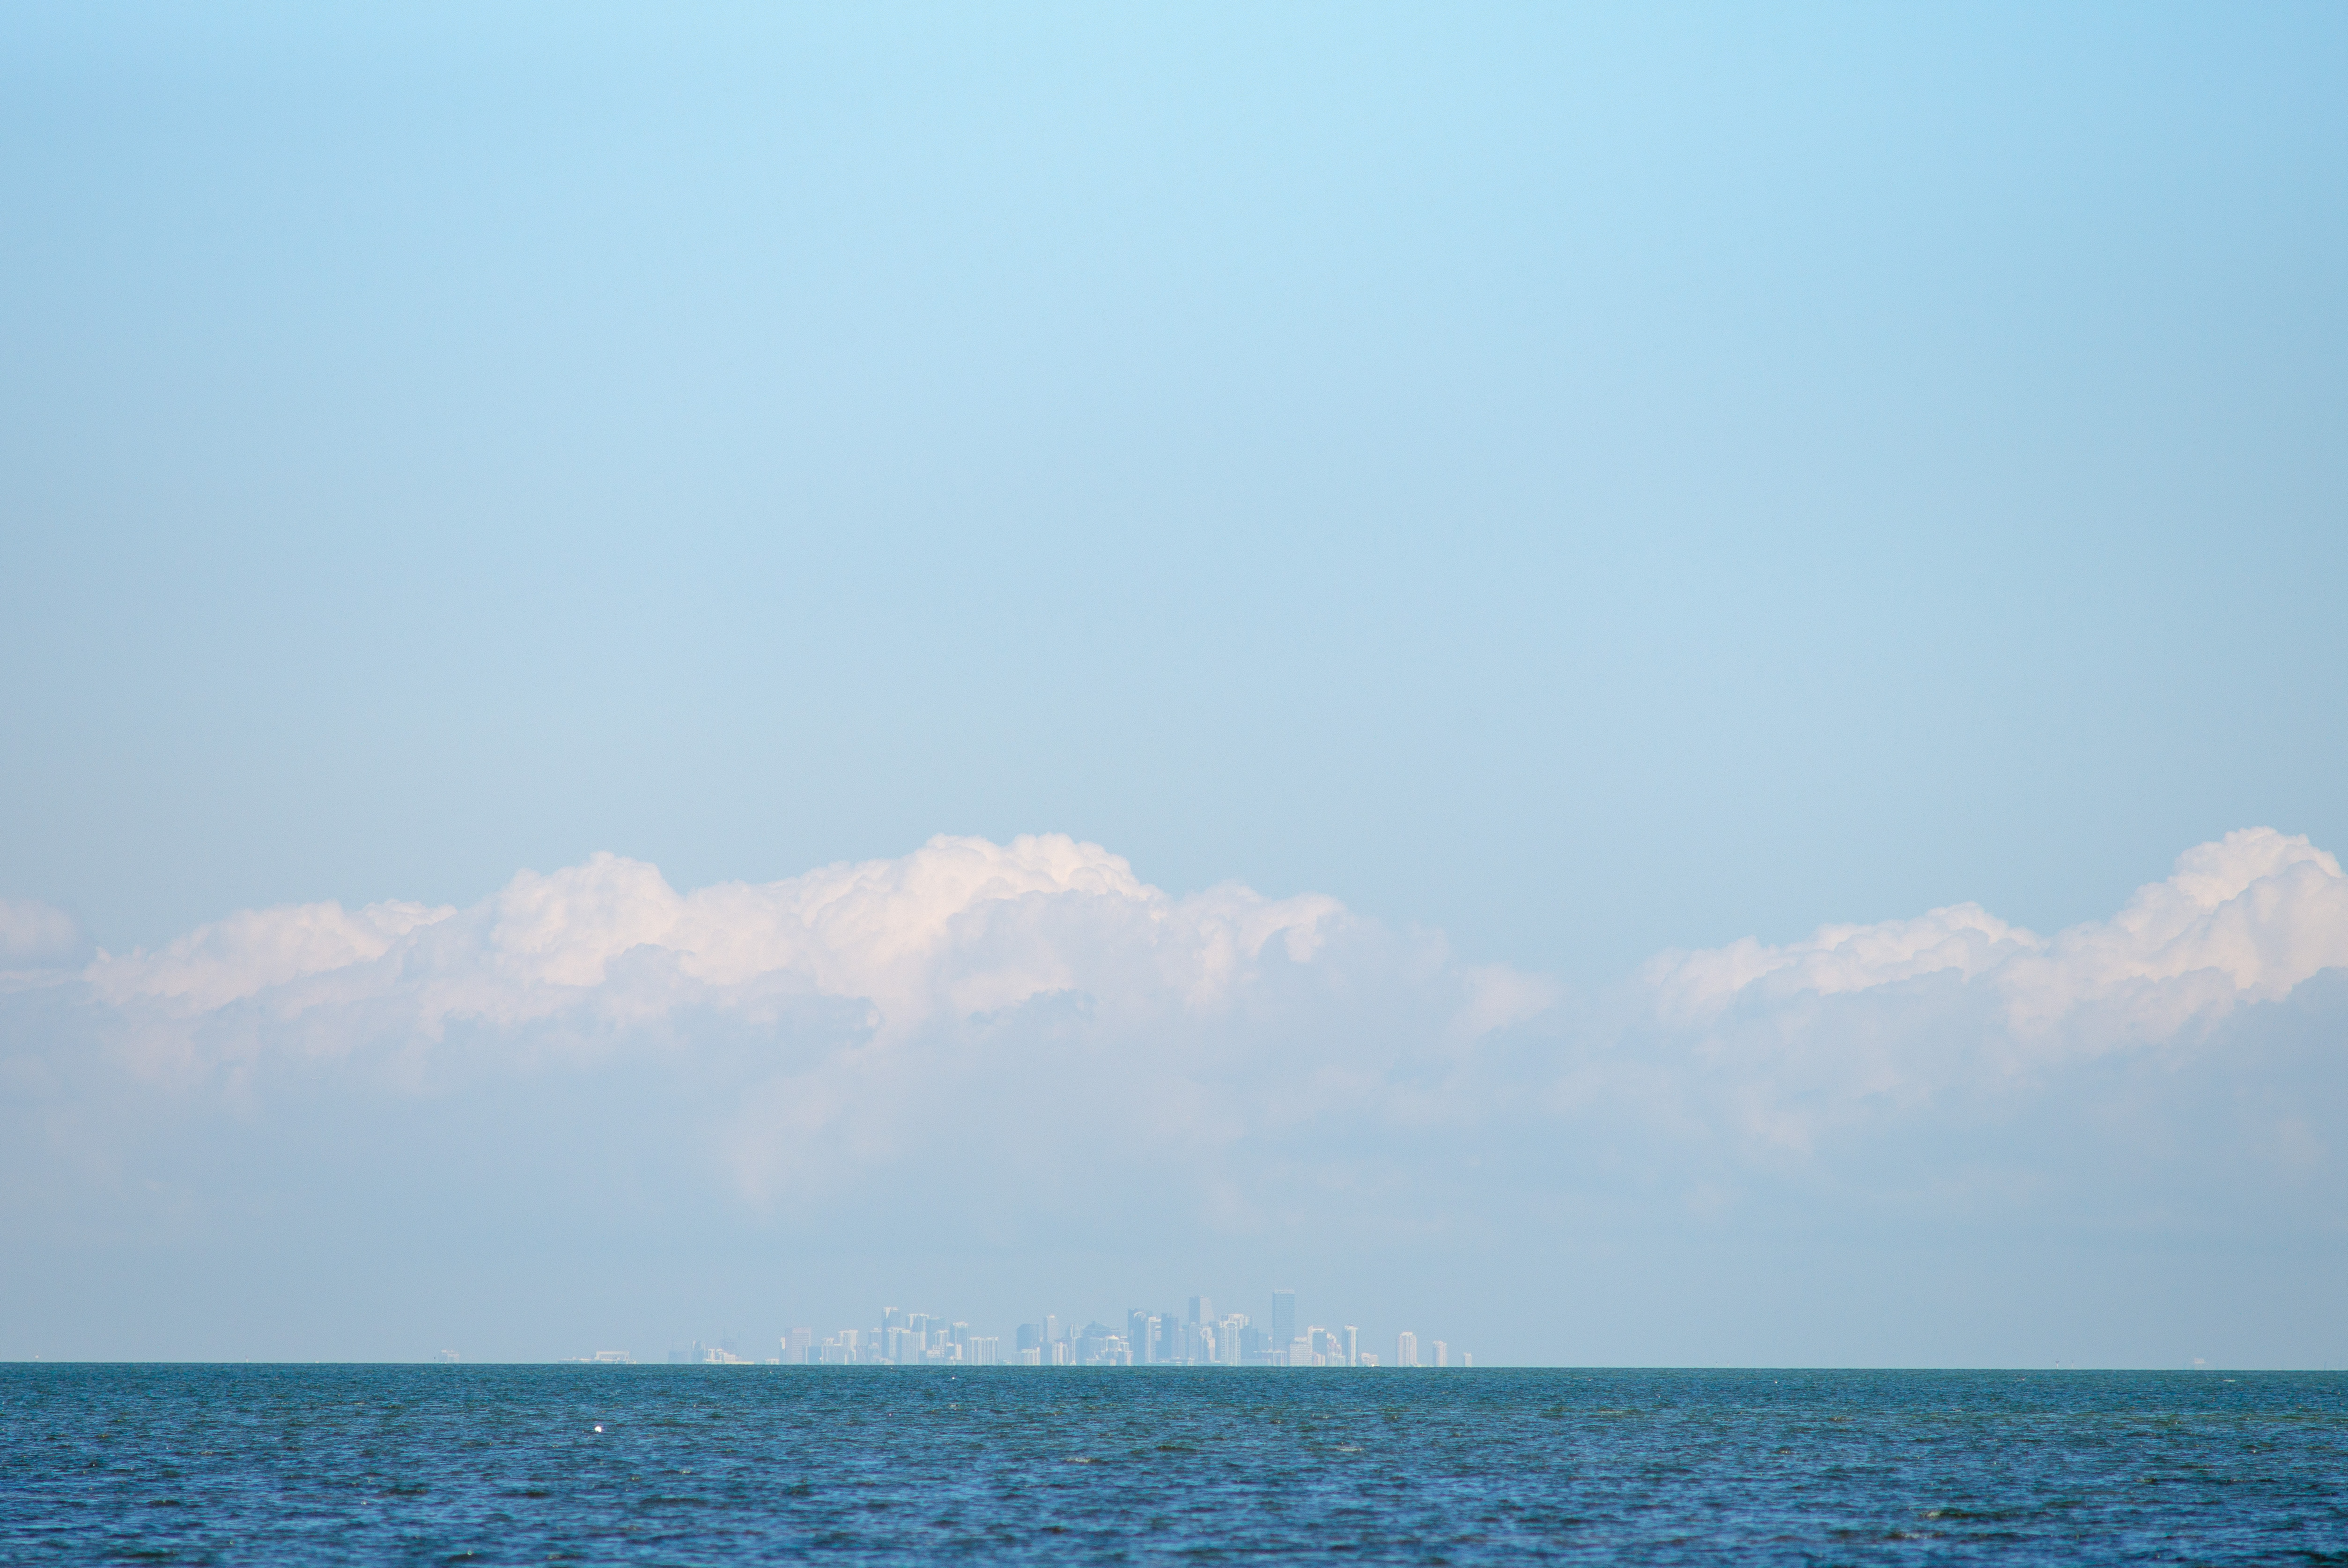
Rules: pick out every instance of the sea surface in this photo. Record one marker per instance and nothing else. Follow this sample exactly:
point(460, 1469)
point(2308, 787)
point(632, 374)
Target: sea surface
point(755, 1464)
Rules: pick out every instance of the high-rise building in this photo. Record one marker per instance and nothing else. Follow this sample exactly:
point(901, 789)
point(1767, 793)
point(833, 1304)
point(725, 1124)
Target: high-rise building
point(1137, 1335)
point(1405, 1348)
point(1352, 1346)
point(1442, 1353)
point(1202, 1310)
point(1051, 1327)
point(799, 1345)
point(1284, 1318)
point(1031, 1336)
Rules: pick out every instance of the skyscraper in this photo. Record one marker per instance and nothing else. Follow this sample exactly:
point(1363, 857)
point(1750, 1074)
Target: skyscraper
point(1202, 1310)
point(1405, 1348)
point(1284, 1318)
point(1352, 1346)
point(1442, 1353)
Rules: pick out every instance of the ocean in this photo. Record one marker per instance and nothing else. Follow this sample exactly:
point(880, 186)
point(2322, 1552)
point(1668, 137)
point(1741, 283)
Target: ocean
point(110, 1463)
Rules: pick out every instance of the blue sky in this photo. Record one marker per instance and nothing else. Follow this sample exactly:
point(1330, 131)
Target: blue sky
point(1583, 482)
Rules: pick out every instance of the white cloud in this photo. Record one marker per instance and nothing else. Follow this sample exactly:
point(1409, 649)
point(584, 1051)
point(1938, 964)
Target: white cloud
point(1035, 1008)
point(2246, 918)
point(1008, 1049)
point(1963, 939)
point(35, 936)
point(1781, 1046)
point(963, 930)
point(960, 929)
point(257, 951)
point(2243, 920)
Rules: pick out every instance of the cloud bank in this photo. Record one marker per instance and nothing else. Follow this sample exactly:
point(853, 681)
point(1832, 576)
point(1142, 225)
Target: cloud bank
point(2246, 918)
point(1859, 1021)
point(1003, 1044)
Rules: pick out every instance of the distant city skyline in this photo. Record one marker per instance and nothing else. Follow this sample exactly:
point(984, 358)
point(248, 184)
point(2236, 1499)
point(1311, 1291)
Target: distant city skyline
point(1199, 1337)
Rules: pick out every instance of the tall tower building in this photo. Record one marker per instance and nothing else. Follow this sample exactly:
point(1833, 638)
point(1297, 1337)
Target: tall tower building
point(1202, 1310)
point(1352, 1346)
point(1405, 1348)
point(1283, 1317)
point(1442, 1353)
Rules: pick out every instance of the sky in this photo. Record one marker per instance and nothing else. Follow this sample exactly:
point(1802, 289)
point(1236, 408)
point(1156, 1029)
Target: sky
point(670, 676)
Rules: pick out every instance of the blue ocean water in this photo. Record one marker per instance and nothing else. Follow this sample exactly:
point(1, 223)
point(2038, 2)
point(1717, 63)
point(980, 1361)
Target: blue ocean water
point(704, 1465)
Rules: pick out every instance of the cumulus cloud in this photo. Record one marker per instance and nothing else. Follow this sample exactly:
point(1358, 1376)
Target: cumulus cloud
point(1034, 1012)
point(35, 936)
point(961, 996)
point(862, 973)
point(1858, 1021)
point(1025, 1045)
point(256, 951)
point(960, 929)
point(2245, 919)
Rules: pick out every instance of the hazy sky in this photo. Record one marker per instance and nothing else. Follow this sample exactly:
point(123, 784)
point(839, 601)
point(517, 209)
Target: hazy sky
point(1437, 505)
